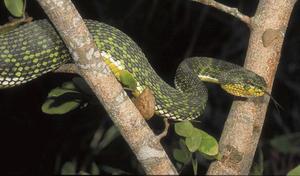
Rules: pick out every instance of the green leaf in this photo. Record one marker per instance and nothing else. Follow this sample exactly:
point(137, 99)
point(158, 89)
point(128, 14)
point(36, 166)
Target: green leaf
point(5, 29)
point(94, 169)
point(56, 92)
point(49, 108)
point(209, 144)
point(218, 156)
point(193, 142)
point(195, 165)
point(83, 173)
point(182, 145)
point(111, 134)
point(62, 99)
point(69, 168)
point(15, 7)
point(113, 171)
point(295, 171)
point(287, 144)
point(257, 167)
point(68, 85)
point(184, 128)
point(181, 156)
point(127, 79)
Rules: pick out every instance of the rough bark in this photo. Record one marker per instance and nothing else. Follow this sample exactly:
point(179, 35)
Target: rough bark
point(243, 127)
point(126, 117)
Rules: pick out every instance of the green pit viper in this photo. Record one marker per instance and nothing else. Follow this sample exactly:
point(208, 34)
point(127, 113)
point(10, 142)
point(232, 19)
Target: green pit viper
point(35, 48)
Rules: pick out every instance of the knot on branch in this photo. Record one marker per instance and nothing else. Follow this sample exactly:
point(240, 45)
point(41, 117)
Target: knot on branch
point(271, 36)
point(145, 103)
point(232, 155)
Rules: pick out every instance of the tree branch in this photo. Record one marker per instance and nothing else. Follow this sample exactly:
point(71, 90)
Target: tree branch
point(165, 131)
point(68, 68)
point(126, 117)
point(232, 11)
point(245, 121)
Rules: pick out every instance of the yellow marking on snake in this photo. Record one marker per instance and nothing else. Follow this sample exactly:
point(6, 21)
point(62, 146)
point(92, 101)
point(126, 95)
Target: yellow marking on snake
point(34, 49)
point(208, 79)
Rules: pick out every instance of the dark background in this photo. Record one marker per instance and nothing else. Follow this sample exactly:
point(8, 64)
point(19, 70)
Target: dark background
point(167, 31)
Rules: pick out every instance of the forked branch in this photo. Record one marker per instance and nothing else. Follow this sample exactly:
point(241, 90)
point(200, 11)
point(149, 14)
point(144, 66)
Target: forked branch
point(243, 127)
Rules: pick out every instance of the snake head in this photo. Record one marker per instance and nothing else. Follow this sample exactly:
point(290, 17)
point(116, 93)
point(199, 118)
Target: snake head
point(243, 83)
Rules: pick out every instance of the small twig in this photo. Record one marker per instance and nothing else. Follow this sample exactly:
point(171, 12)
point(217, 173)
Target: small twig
point(165, 131)
point(67, 68)
point(16, 22)
point(232, 11)
point(24, 9)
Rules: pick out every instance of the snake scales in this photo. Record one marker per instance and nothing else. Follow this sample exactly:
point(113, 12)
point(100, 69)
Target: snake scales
point(34, 49)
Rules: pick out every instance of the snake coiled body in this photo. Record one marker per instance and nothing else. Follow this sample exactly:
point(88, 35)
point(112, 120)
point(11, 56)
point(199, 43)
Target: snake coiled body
point(34, 49)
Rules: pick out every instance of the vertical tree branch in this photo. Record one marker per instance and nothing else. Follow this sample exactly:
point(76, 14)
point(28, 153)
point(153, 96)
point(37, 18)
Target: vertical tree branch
point(244, 124)
point(126, 117)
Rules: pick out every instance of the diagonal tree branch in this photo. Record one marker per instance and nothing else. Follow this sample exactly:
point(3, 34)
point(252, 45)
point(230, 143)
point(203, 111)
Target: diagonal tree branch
point(68, 68)
point(232, 11)
point(243, 127)
point(126, 117)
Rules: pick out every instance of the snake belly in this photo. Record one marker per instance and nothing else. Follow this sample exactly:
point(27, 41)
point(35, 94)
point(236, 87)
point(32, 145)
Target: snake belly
point(34, 49)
